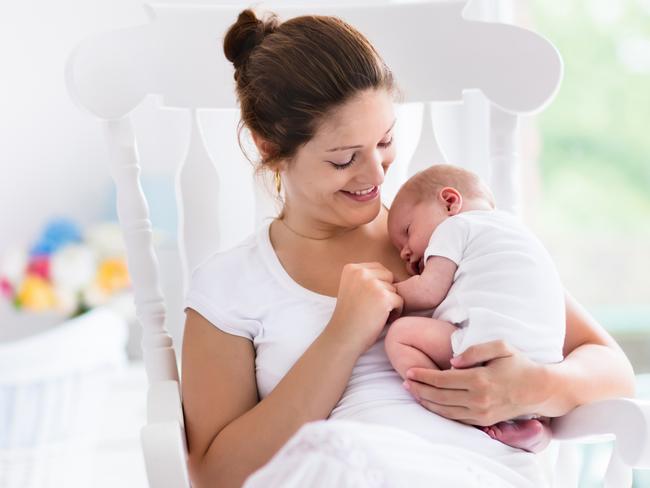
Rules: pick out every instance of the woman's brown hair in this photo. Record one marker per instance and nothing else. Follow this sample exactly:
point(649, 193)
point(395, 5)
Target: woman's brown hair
point(290, 74)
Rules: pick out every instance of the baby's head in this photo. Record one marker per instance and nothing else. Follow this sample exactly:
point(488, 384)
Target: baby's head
point(425, 200)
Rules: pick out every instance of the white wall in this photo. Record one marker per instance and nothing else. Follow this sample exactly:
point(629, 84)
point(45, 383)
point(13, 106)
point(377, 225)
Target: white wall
point(52, 155)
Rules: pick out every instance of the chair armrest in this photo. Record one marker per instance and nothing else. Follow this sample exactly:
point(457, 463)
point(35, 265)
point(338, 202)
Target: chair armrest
point(164, 402)
point(165, 455)
point(163, 438)
point(628, 420)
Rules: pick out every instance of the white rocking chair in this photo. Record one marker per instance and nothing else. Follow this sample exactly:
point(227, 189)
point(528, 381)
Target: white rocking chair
point(491, 73)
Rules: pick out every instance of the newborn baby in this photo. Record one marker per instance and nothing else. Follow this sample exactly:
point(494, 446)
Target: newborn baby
point(485, 274)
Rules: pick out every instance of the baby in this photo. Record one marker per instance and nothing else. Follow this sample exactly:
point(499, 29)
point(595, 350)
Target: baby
point(485, 274)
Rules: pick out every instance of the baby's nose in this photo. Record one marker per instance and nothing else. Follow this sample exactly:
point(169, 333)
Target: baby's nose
point(405, 254)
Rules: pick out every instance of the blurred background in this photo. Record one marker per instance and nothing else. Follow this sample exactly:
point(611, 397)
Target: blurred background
point(591, 179)
point(585, 176)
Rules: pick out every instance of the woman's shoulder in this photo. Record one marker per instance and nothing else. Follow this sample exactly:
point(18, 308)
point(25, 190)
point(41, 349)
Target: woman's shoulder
point(234, 257)
point(223, 287)
point(234, 272)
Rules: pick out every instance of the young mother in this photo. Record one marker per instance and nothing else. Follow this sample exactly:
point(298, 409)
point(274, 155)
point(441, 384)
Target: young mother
point(287, 327)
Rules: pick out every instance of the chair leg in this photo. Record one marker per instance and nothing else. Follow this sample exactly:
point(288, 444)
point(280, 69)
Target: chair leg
point(568, 466)
point(618, 474)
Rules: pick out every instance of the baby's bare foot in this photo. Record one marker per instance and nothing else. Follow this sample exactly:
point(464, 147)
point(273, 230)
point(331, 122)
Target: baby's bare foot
point(531, 435)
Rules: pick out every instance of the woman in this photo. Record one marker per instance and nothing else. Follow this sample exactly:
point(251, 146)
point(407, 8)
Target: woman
point(287, 327)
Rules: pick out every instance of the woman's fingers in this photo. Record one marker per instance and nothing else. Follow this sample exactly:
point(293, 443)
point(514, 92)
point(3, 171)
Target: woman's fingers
point(490, 393)
point(465, 406)
point(385, 280)
point(478, 354)
point(397, 303)
point(451, 378)
point(378, 270)
point(388, 286)
point(441, 396)
point(462, 388)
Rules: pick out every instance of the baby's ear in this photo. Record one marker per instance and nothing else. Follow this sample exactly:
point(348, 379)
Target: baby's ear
point(452, 200)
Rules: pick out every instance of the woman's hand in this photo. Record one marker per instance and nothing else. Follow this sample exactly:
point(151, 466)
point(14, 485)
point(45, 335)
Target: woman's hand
point(365, 299)
point(492, 382)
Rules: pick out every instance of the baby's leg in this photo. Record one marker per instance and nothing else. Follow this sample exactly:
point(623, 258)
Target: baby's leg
point(531, 435)
point(419, 342)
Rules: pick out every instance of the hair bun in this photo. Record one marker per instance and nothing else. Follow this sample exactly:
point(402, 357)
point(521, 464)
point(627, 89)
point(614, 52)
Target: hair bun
point(245, 35)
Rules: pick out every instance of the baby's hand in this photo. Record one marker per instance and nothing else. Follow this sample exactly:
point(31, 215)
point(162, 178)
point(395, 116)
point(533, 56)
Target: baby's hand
point(415, 267)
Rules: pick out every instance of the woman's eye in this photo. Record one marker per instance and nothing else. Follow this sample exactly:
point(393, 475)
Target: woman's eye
point(344, 165)
point(354, 156)
point(387, 143)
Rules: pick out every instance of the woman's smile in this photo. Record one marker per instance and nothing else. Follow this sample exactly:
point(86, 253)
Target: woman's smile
point(363, 195)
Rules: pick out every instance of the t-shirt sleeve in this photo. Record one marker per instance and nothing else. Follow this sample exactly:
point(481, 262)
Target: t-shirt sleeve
point(219, 295)
point(448, 240)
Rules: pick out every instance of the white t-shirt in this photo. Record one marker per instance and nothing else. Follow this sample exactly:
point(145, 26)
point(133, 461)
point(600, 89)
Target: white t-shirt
point(245, 291)
point(506, 285)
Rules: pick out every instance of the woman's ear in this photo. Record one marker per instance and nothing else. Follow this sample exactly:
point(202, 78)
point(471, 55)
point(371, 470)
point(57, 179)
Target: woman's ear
point(264, 147)
point(451, 199)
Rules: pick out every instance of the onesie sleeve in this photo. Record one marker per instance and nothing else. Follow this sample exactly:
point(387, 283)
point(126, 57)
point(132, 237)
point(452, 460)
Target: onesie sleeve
point(219, 294)
point(448, 240)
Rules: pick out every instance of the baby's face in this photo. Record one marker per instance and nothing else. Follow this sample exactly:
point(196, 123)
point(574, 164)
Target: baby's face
point(410, 227)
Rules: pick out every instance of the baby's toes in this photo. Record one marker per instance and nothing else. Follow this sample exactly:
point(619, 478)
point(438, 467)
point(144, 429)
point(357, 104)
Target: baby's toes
point(492, 431)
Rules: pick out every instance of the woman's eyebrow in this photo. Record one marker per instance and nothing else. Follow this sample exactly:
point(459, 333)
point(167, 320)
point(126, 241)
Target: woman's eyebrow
point(343, 147)
point(358, 146)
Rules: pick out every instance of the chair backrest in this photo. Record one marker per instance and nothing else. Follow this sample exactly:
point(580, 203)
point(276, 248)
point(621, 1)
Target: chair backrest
point(436, 56)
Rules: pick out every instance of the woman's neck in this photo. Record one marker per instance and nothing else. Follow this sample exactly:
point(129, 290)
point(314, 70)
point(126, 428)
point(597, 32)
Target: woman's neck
point(365, 243)
point(312, 231)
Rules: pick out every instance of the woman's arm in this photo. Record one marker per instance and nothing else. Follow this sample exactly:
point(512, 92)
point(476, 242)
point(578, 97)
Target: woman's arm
point(594, 368)
point(230, 432)
point(506, 384)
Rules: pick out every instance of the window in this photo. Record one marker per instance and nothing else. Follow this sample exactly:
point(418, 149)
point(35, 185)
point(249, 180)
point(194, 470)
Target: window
point(592, 209)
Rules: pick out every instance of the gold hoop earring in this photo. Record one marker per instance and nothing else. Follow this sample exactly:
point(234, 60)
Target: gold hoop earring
point(278, 181)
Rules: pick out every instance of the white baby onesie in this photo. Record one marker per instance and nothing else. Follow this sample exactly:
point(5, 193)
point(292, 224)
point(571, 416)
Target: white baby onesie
point(506, 285)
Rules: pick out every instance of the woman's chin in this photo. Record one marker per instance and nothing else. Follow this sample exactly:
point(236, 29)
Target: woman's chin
point(362, 216)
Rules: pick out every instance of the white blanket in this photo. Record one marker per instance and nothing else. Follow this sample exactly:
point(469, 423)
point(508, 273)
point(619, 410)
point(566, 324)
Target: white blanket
point(342, 454)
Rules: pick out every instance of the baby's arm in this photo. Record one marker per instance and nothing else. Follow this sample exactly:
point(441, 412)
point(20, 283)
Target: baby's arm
point(426, 291)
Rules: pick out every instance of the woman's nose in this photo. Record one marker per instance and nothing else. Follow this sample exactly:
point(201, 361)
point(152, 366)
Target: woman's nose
point(375, 171)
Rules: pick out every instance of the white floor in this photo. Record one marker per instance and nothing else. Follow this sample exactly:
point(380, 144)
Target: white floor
point(118, 459)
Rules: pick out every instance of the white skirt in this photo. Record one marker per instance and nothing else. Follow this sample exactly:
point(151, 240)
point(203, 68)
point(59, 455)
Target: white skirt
point(344, 453)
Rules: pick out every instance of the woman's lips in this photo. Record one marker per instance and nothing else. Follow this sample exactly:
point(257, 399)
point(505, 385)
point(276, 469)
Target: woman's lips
point(363, 198)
